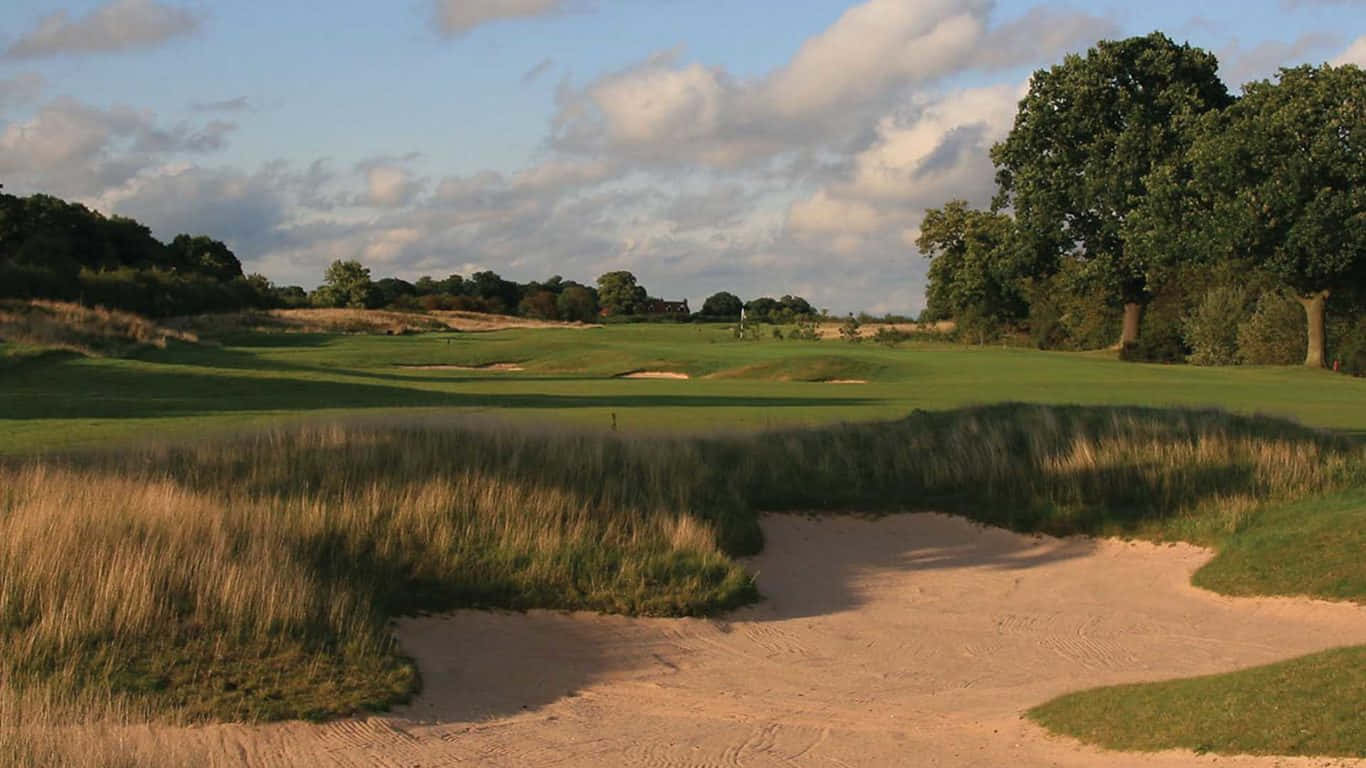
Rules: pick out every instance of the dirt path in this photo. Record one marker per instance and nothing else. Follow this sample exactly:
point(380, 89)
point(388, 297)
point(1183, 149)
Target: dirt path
point(912, 640)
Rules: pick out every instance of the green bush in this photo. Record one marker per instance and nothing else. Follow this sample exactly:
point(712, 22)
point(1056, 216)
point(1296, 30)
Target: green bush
point(1275, 333)
point(1211, 331)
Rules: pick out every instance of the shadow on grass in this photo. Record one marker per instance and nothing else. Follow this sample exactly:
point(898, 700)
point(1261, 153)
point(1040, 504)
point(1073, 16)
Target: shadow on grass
point(64, 392)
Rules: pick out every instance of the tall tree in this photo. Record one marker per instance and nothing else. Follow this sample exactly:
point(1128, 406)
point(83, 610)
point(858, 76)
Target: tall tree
point(1284, 171)
point(974, 266)
point(347, 284)
point(619, 294)
point(1086, 136)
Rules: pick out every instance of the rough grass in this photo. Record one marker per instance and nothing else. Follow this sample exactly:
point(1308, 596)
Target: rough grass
point(814, 368)
point(253, 578)
point(363, 321)
point(35, 326)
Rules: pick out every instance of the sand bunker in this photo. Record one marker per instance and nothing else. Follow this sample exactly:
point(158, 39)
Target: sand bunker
point(909, 640)
point(845, 381)
point(654, 375)
point(489, 367)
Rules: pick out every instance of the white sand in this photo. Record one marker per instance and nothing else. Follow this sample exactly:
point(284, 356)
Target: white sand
point(490, 367)
point(914, 640)
point(654, 375)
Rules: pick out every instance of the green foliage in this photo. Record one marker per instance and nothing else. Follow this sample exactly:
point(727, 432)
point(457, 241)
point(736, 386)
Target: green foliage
point(1086, 136)
point(347, 284)
point(788, 309)
point(975, 269)
point(619, 294)
point(1211, 331)
point(722, 305)
point(577, 304)
point(1274, 333)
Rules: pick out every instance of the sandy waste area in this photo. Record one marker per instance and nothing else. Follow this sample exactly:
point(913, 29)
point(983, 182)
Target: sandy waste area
point(913, 640)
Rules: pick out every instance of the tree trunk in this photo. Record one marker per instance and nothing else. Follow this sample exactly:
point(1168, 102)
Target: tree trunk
point(1313, 310)
point(1133, 313)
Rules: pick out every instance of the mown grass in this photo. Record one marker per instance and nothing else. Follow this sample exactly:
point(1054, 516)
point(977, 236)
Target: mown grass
point(1306, 706)
point(256, 379)
point(254, 578)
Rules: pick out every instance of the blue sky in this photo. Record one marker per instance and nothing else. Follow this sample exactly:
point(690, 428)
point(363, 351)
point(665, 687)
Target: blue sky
point(762, 147)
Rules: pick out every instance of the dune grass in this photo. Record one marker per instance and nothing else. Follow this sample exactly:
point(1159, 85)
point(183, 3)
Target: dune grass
point(253, 578)
point(31, 327)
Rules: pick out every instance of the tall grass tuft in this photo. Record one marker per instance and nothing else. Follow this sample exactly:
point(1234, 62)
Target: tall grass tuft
point(254, 577)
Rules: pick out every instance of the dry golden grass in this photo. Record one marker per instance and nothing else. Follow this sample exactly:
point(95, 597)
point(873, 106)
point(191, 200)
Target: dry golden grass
point(88, 331)
point(375, 321)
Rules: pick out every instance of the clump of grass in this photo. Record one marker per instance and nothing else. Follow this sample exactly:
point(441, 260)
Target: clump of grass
point(94, 332)
point(254, 577)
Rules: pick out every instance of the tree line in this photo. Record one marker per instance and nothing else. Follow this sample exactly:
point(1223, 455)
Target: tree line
point(1138, 200)
point(55, 249)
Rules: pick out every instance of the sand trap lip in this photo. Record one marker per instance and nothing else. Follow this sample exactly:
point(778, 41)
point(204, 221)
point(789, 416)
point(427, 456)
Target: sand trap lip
point(489, 367)
point(654, 375)
point(905, 640)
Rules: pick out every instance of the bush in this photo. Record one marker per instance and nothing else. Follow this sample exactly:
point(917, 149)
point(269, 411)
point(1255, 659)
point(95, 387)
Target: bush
point(1275, 334)
point(1211, 331)
point(1348, 345)
point(850, 331)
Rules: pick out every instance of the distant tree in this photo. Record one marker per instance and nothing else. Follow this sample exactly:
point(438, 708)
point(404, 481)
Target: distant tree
point(500, 296)
point(974, 265)
point(577, 304)
point(206, 256)
point(540, 305)
point(722, 304)
point(347, 284)
point(794, 307)
point(619, 294)
point(1285, 171)
point(762, 309)
point(1086, 136)
point(392, 289)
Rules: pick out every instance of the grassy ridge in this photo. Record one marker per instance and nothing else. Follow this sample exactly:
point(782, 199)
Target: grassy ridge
point(254, 577)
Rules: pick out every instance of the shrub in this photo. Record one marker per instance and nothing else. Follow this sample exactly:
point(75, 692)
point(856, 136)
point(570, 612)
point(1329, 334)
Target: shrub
point(1211, 331)
point(851, 330)
point(1274, 334)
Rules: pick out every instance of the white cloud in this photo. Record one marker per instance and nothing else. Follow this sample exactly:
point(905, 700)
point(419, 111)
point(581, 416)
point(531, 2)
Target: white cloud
point(118, 25)
point(456, 17)
point(665, 113)
point(69, 148)
point(20, 89)
point(389, 186)
point(1355, 54)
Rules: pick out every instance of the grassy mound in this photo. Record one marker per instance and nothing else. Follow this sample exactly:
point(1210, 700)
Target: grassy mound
point(33, 326)
point(1306, 706)
point(254, 577)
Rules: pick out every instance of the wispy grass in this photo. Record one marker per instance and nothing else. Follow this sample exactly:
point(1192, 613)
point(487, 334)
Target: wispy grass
point(254, 577)
point(94, 332)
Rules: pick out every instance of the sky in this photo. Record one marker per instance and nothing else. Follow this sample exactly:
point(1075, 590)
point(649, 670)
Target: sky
point(762, 147)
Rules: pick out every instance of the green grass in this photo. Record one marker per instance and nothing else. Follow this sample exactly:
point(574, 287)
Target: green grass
point(414, 507)
point(263, 379)
point(1306, 706)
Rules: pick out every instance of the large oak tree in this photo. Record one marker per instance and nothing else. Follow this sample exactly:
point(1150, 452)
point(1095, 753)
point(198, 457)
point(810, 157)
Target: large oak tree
point(1282, 176)
point(1086, 136)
